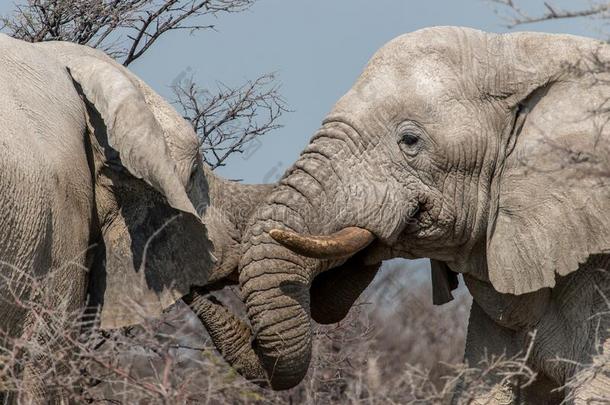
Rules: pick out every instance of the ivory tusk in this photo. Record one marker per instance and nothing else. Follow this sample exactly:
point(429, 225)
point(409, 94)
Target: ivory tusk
point(341, 244)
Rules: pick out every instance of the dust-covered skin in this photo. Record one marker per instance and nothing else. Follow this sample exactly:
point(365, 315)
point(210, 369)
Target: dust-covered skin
point(103, 193)
point(486, 153)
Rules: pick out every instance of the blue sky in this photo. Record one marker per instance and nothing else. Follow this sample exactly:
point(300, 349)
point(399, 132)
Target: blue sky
point(316, 47)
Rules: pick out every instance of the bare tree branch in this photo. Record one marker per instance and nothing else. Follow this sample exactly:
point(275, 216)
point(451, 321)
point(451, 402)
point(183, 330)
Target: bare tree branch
point(230, 118)
point(125, 29)
point(514, 15)
point(227, 121)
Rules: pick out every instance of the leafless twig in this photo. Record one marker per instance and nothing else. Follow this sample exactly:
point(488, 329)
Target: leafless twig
point(515, 15)
point(228, 119)
point(125, 29)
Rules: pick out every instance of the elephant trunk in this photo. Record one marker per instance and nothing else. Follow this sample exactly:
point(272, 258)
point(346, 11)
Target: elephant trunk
point(276, 350)
point(275, 281)
point(276, 353)
point(275, 289)
point(229, 334)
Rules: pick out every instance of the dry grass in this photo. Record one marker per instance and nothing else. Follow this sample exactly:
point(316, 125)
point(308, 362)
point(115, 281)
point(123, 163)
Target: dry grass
point(394, 347)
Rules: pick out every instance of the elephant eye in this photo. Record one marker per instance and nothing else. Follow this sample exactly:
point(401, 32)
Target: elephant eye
point(409, 139)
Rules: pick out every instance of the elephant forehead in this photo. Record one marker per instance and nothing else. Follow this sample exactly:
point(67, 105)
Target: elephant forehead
point(414, 80)
point(428, 95)
point(454, 45)
point(427, 81)
point(432, 61)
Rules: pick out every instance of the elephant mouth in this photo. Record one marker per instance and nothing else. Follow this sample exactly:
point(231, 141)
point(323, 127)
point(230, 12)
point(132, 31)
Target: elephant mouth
point(420, 221)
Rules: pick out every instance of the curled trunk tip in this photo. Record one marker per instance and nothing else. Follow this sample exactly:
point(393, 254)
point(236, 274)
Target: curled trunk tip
point(234, 340)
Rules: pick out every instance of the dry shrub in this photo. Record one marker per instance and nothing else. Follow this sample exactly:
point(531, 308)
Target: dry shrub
point(394, 347)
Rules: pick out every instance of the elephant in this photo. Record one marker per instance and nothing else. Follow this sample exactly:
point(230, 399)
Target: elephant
point(106, 201)
point(487, 154)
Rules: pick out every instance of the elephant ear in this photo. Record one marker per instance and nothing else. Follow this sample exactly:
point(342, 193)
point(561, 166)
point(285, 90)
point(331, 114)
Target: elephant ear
point(154, 245)
point(132, 130)
point(444, 280)
point(551, 210)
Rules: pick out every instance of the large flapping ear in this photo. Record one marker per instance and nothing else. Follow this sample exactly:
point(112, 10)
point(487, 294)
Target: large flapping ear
point(551, 210)
point(151, 255)
point(131, 127)
point(155, 246)
point(548, 221)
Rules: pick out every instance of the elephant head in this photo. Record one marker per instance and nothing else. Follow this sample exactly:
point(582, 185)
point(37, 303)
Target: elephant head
point(163, 222)
point(449, 146)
